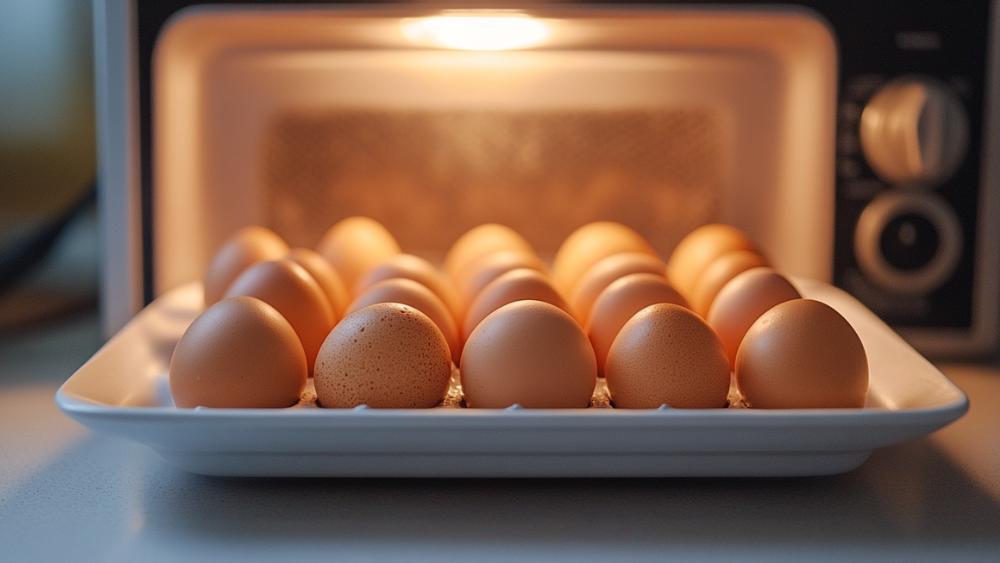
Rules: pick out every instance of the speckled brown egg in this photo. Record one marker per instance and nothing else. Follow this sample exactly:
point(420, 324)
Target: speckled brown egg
point(416, 295)
point(802, 354)
point(718, 274)
point(414, 268)
point(590, 244)
point(386, 355)
point(528, 353)
point(516, 285)
point(625, 297)
point(699, 249)
point(489, 267)
point(667, 355)
point(355, 245)
point(606, 271)
point(479, 241)
point(239, 353)
point(742, 301)
point(290, 289)
point(245, 248)
point(327, 278)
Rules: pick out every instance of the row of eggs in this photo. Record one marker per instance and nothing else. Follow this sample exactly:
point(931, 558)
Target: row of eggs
point(377, 327)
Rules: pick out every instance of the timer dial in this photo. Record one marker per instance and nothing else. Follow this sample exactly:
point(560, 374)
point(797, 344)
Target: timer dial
point(914, 131)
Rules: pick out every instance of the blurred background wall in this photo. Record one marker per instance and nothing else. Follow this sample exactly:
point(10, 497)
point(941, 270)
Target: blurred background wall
point(47, 153)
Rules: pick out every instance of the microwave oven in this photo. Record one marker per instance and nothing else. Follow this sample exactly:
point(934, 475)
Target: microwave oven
point(855, 140)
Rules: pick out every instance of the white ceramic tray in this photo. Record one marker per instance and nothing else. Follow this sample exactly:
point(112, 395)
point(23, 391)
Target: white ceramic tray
point(123, 391)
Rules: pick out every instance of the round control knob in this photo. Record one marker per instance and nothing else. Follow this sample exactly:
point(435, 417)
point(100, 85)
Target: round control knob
point(914, 131)
point(908, 242)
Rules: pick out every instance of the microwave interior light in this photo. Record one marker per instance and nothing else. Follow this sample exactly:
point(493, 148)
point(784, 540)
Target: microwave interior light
point(477, 32)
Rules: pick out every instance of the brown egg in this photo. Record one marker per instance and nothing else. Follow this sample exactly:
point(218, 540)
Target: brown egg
point(516, 285)
point(244, 249)
point(416, 295)
point(606, 271)
point(489, 267)
point(718, 274)
point(528, 353)
point(327, 278)
point(290, 289)
point(587, 246)
point(666, 355)
point(802, 354)
point(239, 353)
point(355, 245)
point(619, 301)
point(699, 249)
point(479, 241)
point(386, 355)
point(745, 298)
point(414, 268)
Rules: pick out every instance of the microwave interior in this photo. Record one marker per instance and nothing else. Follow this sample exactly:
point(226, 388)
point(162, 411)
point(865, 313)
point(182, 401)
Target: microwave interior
point(433, 122)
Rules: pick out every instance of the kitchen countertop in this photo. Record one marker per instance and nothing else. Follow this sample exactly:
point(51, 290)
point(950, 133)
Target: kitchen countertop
point(69, 494)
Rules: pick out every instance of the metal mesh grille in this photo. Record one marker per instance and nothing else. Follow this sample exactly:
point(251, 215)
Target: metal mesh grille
point(429, 176)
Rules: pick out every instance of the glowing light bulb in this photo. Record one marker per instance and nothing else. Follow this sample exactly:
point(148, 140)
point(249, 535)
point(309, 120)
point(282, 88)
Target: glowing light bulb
point(477, 32)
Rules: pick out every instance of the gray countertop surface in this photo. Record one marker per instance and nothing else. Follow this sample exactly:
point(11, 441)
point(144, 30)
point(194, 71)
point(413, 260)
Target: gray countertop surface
point(69, 494)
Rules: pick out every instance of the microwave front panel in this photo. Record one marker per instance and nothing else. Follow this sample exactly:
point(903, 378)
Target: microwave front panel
point(875, 238)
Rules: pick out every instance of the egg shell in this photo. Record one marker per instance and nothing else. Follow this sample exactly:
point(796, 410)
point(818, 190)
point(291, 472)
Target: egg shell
point(386, 355)
point(588, 245)
point(516, 285)
point(718, 274)
point(239, 353)
point(327, 278)
point(245, 248)
point(416, 295)
point(625, 297)
point(487, 268)
point(482, 240)
point(528, 353)
point(414, 268)
point(742, 301)
point(290, 289)
point(667, 355)
point(606, 271)
point(802, 354)
point(699, 249)
point(355, 245)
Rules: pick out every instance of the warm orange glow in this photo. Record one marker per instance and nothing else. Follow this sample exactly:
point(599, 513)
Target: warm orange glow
point(477, 32)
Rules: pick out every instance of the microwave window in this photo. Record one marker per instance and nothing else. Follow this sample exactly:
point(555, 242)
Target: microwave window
point(296, 120)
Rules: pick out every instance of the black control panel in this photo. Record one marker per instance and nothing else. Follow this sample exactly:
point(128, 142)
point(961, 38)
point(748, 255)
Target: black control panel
point(906, 232)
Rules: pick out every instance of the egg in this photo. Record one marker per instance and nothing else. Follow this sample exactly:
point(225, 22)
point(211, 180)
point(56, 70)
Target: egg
point(479, 241)
point(413, 268)
point(802, 354)
point(290, 289)
point(386, 355)
point(355, 245)
point(239, 353)
point(244, 249)
point(718, 274)
point(667, 355)
point(529, 353)
point(327, 278)
point(588, 245)
point(606, 271)
point(699, 249)
point(516, 285)
point(416, 295)
point(619, 301)
point(489, 267)
point(742, 301)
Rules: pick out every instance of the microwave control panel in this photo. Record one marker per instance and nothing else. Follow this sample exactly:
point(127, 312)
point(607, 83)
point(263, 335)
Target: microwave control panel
point(910, 136)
